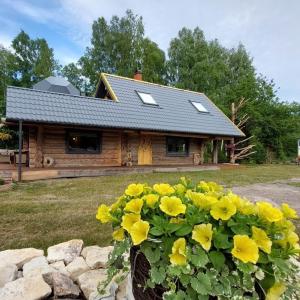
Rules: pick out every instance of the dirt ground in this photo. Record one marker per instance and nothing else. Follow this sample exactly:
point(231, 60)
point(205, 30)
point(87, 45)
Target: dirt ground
point(287, 191)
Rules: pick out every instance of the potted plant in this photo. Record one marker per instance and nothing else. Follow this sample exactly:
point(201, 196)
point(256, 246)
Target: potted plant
point(200, 241)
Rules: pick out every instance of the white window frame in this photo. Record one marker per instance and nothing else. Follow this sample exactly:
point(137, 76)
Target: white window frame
point(145, 101)
point(199, 106)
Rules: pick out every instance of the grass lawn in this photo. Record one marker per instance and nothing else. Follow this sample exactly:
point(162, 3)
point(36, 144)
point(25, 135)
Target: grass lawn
point(43, 213)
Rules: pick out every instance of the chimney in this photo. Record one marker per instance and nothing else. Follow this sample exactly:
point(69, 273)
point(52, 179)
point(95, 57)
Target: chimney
point(138, 75)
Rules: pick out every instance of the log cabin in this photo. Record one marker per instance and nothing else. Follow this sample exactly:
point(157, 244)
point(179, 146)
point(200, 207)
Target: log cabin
point(129, 122)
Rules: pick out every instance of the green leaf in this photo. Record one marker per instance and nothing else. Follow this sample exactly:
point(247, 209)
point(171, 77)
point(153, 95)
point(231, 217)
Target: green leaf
point(156, 231)
point(185, 229)
point(153, 256)
point(194, 215)
point(199, 259)
point(241, 229)
point(185, 279)
point(201, 284)
point(170, 228)
point(217, 258)
point(221, 241)
point(158, 275)
point(246, 268)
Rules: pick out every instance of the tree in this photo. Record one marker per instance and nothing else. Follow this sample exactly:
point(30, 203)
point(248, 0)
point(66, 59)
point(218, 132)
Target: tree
point(119, 47)
point(74, 74)
point(34, 60)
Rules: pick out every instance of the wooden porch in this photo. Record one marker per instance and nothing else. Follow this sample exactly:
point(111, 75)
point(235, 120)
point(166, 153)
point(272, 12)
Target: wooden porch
point(28, 174)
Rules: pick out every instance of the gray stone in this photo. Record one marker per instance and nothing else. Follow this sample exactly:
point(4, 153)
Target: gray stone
point(88, 281)
point(37, 266)
point(8, 272)
point(110, 293)
point(19, 257)
point(60, 267)
point(77, 267)
point(63, 286)
point(124, 291)
point(30, 288)
point(66, 251)
point(96, 257)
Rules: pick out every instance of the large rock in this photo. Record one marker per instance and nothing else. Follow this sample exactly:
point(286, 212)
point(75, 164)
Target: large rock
point(63, 286)
point(30, 288)
point(60, 267)
point(124, 291)
point(77, 267)
point(96, 257)
point(66, 251)
point(8, 272)
point(19, 256)
point(110, 293)
point(88, 281)
point(37, 266)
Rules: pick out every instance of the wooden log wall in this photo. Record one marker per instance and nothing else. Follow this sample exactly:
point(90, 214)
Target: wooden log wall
point(54, 146)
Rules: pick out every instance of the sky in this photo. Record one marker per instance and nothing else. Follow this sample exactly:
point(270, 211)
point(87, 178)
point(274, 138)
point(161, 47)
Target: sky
point(269, 29)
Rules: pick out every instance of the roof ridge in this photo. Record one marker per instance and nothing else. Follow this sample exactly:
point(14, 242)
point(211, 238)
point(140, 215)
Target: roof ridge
point(151, 83)
point(56, 93)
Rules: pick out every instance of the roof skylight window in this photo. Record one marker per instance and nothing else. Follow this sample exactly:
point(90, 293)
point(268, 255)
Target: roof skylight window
point(147, 98)
point(199, 107)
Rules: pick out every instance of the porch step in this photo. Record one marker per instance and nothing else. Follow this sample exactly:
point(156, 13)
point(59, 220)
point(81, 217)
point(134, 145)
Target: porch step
point(185, 169)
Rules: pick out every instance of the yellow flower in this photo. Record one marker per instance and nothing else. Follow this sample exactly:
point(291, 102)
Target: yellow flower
point(179, 188)
point(151, 199)
point(268, 212)
point(288, 212)
point(201, 200)
point(118, 235)
point(134, 190)
point(139, 232)
point(178, 256)
point(163, 189)
point(261, 239)
point(134, 205)
point(103, 214)
point(276, 291)
point(209, 186)
point(248, 208)
point(235, 199)
point(291, 238)
point(203, 235)
point(245, 249)
point(172, 206)
point(223, 209)
point(128, 220)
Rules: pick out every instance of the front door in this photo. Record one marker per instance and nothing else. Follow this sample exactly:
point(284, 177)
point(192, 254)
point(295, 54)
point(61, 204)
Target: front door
point(145, 150)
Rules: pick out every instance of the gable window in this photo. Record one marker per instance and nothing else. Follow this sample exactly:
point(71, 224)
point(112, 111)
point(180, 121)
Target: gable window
point(147, 98)
point(177, 146)
point(83, 142)
point(200, 107)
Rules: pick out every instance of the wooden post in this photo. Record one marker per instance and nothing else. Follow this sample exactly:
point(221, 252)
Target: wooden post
point(215, 152)
point(20, 152)
point(202, 149)
point(39, 147)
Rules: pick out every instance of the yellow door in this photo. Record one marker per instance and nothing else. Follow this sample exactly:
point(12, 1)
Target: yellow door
point(145, 150)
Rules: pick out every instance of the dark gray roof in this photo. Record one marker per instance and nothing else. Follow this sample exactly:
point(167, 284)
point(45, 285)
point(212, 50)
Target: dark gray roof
point(174, 112)
point(57, 85)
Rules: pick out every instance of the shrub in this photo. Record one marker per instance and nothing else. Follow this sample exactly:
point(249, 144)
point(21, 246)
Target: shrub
point(2, 181)
point(202, 242)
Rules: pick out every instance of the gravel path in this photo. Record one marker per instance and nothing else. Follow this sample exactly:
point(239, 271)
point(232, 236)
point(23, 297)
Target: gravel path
point(277, 192)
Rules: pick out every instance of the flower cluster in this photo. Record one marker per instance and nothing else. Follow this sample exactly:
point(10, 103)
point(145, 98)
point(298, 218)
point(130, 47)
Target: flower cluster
point(203, 241)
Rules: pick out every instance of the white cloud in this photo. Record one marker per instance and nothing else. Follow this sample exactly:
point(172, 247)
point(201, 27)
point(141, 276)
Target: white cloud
point(268, 28)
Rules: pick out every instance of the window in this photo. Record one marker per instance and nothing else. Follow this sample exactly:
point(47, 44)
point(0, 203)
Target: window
point(177, 146)
point(84, 142)
point(199, 107)
point(147, 98)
